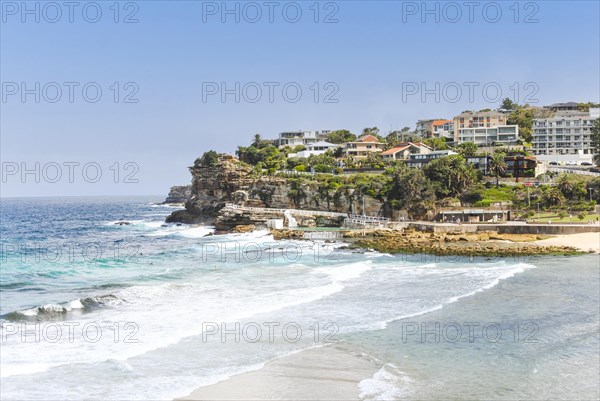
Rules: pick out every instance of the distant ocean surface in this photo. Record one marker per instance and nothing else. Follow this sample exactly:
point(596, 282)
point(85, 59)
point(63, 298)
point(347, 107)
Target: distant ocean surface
point(90, 309)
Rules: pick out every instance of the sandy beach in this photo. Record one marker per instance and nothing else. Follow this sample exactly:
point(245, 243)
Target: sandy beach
point(584, 241)
point(325, 373)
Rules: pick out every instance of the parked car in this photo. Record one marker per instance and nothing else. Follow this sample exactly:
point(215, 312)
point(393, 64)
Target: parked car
point(554, 163)
point(586, 164)
point(571, 163)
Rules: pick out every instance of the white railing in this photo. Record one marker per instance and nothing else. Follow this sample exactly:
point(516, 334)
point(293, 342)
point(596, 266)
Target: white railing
point(292, 211)
point(369, 219)
point(573, 171)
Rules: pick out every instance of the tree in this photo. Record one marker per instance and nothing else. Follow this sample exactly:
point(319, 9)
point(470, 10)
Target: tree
point(566, 185)
point(409, 190)
point(324, 159)
point(467, 149)
point(208, 159)
point(450, 175)
point(593, 187)
point(497, 166)
point(586, 106)
point(436, 143)
point(473, 194)
point(508, 104)
point(553, 197)
point(371, 131)
point(341, 136)
point(523, 117)
point(257, 141)
point(596, 141)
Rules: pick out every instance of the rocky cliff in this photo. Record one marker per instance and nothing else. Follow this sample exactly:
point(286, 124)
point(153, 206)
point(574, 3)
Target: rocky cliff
point(231, 181)
point(179, 194)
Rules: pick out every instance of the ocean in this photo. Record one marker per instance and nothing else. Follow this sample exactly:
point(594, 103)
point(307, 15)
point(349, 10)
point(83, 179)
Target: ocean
point(100, 299)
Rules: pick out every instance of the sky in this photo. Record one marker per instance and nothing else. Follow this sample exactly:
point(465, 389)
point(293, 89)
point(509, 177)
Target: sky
point(119, 98)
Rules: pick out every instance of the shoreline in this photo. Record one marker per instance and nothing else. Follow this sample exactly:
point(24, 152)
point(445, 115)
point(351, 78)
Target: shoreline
point(323, 373)
point(484, 243)
point(585, 242)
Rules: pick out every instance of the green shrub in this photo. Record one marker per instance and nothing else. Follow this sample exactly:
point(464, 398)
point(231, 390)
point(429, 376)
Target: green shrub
point(483, 203)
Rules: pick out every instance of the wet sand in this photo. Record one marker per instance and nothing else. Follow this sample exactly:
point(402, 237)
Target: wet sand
point(325, 373)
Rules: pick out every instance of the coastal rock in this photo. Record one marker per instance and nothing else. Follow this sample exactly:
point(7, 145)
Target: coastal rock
point(184, 216)
point(244, 228)
point(232, 181)
point(287, 234)
point(179, 194)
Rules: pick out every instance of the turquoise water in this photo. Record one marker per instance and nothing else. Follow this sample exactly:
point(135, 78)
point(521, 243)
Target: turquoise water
point(95, 310)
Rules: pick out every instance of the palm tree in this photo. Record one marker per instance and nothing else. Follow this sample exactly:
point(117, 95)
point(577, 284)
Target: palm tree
point(565, 184)
point(553, 197)
point(498, 166)
point(257, 141)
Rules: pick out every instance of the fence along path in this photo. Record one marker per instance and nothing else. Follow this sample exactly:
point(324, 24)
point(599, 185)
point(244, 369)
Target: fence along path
point(292, 211)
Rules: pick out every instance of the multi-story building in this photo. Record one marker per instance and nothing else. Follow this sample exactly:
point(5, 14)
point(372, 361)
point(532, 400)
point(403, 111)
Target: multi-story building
point(402, 151)
point(425, 127)
point(443, 129)
point(478, 119)
point(565, 136)
point(361, 148)
point(484, 136)
point(295, 138)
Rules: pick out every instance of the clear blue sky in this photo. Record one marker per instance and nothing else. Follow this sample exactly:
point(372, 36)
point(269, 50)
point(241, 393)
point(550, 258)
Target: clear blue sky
point(370, 54)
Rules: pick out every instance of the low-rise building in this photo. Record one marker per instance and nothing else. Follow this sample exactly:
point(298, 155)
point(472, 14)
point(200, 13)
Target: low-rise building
point(295, 138)
point(317, 148)
point(473, 216)
point(425, 127)
point(565, 136)
point(569, 106)
point(443, 129)
point(516, 165)
point(361, 148)
point(419, 160)
point(486, 136)
point(402, 151)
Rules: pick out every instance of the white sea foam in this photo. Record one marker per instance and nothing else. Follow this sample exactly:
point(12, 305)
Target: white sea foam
point(388, 383)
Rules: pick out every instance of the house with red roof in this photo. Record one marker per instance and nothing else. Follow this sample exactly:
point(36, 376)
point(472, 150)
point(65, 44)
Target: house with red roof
point(364, 145)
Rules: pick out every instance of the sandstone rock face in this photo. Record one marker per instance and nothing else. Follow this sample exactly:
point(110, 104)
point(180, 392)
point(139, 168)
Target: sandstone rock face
point(231, 181)
point(179, 194)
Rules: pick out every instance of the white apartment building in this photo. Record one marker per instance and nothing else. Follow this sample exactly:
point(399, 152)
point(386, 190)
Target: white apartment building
point(565, 136)
point(317, 148)
point(485, 136)
point(295, 138)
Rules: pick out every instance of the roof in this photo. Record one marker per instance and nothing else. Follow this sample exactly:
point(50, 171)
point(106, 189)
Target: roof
point(567, 104)
point(437, 123)
point(368, 138)
point(480, 113)
point(322, 144)
point(443, 152)
point(395, 149)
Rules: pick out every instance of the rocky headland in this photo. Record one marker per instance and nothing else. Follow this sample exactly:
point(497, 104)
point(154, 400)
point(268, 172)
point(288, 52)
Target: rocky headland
point(232, 181)
point(178, 194)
